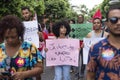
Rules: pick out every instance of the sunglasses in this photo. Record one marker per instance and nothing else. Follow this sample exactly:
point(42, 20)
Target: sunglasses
point(114, 20)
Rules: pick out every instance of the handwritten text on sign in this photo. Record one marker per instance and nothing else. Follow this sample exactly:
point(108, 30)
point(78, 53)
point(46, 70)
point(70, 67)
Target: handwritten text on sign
point(31, 29)
point(62, 52)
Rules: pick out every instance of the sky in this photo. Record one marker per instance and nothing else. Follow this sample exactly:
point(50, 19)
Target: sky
point(89, 3)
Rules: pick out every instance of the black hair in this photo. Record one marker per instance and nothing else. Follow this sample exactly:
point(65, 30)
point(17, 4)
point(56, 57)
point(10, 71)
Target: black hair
point(112, 7)
point(11, 22)
point(81, 15)
point(97, 18)
point(25, 7)
point(72, 21)
point(82, 18)
point(1, 32)
point(56, 27)
point(50, 29)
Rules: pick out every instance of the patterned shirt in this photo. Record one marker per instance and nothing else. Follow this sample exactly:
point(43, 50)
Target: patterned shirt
point(24, 59)
point(104, 60)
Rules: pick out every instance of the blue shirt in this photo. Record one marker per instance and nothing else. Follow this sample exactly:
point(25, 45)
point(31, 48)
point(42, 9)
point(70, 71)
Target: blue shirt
point(104, 60)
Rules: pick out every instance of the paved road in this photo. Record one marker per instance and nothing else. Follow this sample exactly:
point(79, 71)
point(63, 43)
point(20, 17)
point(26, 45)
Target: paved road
point(49, 74)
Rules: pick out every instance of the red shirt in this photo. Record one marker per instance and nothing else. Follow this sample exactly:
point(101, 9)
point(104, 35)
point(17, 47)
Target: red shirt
point(45, 35)
point(42, 44)
point(81, 42)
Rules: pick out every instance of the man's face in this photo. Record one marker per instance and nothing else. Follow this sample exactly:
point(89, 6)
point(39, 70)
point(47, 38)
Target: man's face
point(80, 19)
point(26, 14)
point(114, 22)
point(97, 24)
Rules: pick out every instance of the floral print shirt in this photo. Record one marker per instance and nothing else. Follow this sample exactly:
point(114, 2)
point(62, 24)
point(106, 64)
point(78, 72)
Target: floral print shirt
point(25, 58)
point(104, 60)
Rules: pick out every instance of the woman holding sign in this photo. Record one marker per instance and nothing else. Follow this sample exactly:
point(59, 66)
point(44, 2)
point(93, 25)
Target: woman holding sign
point(61, 29)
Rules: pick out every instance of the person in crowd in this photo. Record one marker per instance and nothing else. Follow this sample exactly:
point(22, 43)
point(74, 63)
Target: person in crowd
point(26, 14)
point(80, 19)
point(61, 29)
point(43, 32)
point(19, 60)
point(105, 27)
point(71, 21)
point(104, 56)
point(45, 21)
point(97, 31)
point(81, 68)
point(73, 69)
point(42, 37)
point(50, 31)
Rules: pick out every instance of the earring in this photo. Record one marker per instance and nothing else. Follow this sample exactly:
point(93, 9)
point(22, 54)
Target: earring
point(19, 38)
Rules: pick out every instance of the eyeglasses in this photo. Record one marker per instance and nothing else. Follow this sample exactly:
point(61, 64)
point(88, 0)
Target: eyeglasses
point(114, 20)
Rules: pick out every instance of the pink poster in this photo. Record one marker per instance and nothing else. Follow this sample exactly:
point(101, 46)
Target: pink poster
point(62, 52)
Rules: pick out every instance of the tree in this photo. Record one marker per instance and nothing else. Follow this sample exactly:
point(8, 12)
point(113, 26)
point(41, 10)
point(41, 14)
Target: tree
point(14, 6)
point(104, 7)
point(58, 9)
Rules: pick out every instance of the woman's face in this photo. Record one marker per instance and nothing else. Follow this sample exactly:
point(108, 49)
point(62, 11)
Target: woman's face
point(63, 30)
point(97, 24)
point(11, 37)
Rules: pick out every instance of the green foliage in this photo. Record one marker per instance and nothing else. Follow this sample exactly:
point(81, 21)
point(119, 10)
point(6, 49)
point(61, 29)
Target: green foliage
point(92, 12)
point(104, 7)
point(14, 6)
point(8, 8)
point(58, 9)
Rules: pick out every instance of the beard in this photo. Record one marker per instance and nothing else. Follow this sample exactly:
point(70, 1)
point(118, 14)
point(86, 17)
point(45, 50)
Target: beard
point(114, 34)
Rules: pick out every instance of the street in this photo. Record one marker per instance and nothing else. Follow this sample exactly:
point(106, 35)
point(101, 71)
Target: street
point(49, 74)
